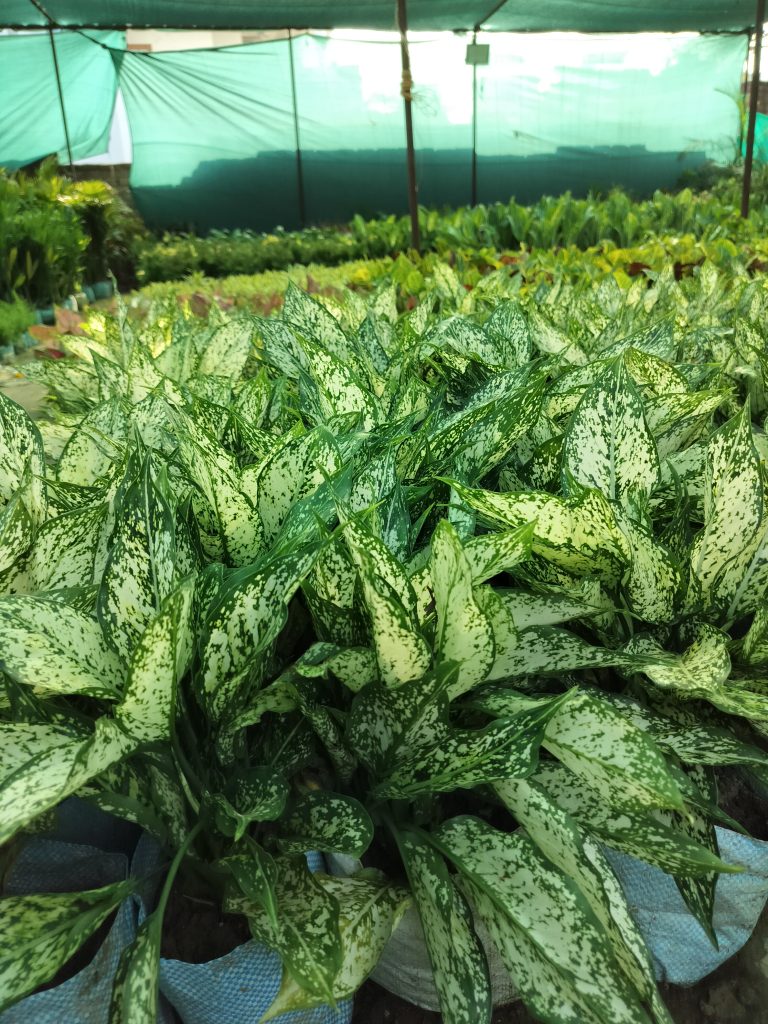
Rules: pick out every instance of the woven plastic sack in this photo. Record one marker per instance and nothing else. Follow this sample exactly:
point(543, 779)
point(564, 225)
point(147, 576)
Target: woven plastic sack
point(237, 988)
point(85, 848)
point(681, 951)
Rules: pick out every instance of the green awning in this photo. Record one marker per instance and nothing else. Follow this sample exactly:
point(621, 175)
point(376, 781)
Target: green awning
point(512, 15)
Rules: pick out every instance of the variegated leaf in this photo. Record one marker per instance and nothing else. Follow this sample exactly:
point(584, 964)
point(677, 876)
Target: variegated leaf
point(243, 625)
point(625, 826)
point(597, 742)
point(733, 506)
point(462, 758)
point(54, 649)
point(548, 936)
point(579, 534)
point(140, 568)
point(307, 935)
point(160, 659)
point(41, 932)
point(95, 445)
point(608, 445)
point(369, 910)
point(459, 964)
point(464, 634)
point(328, 822)
point(52, 774)
point(576, 853)
point(227, 350)
point(20, 447)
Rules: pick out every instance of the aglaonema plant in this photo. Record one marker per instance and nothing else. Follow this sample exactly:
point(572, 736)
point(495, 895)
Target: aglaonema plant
point(453, 596)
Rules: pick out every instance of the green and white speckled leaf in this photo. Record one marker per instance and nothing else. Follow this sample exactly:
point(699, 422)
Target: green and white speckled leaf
point(307, 935)
point(541, 650)
point(95, 445)
point(608, 445)
point(353, 666)
point(312, 320)
point(545, 609)
point(20, 447)
point(341, 389)
point(226, 351)
point(375, 561)
point(21, 741)
point(754, 646)
point(328, 822)
point(139, 573)
point(41, 932)
point(507, 331)
point(17, 529)
point(506, 749)
point(135, 988)
point(676, 420)
point(576, 853)
point(626, 827)
point(252, 794)
point(255, 874)
point(298, 468)
point(679, 729)
point(64, 552)
point(463, 634)
point(479, 436)
point(699, 672)
point(733, 506)
point(548, 936)
point(216, 474)
point(579, 534)
point(402, 653)
point(459, 965)
point(161, 657)
point(53, 774)
point(493, 553)
point(657, 375)
point(598, 743)
point(387, 725)
point(242, 627)
point(653, 584)
point(369, 911)
point(55, 649)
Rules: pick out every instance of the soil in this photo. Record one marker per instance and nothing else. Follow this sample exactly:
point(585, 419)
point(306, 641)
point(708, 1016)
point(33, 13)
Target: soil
point(196, 931)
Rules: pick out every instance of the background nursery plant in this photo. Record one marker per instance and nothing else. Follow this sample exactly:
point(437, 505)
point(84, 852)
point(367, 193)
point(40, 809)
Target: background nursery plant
point(474, 598)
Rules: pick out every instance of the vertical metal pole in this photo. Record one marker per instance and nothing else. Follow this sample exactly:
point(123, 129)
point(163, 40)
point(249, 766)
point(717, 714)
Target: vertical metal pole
point(754, 89)
point(61, 95)
point(299, 165)
point(474, 125)
point(407, 83)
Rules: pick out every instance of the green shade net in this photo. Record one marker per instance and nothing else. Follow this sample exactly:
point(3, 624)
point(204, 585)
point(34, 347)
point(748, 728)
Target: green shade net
point(517, 15)
point(31, 124)
point(760, 149)
point(214, 137)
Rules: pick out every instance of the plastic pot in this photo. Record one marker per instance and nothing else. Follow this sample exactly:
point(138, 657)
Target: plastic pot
point(102, 289)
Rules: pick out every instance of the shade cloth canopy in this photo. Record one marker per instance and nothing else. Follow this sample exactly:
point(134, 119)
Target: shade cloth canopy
point(508, 15)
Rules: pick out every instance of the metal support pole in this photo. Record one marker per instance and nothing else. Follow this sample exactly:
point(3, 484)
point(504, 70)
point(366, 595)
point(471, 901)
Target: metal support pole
point(407, 83)
point(299, 165)
point(754, 89)
point(61, 95)
point(474, 125)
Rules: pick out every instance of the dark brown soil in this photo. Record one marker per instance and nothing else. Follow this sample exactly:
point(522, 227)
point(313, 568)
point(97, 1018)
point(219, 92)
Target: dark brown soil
point(196, 931)
point(737, 799)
